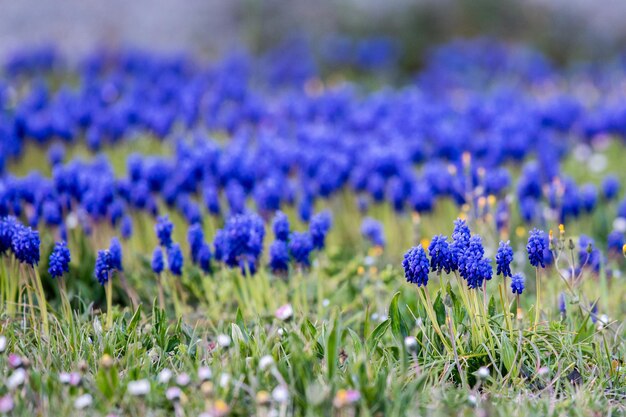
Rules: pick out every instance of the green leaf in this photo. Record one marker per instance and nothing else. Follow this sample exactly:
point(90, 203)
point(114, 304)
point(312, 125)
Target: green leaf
point(492, 307)
point(398, 326)
point(134, 321)
point(332, 349)
point(440, 310)
point(356, 341)
point(507, 353)
point(377, 334)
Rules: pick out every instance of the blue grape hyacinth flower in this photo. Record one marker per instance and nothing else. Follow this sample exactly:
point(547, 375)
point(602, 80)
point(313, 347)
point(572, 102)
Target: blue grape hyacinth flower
point(440, 254)
point(416, 266)
point(535, 247)
point(59, 261)
point(157, 263)
point(300, 247)
point(504, 257)
point(517, 283)
point(163, 230)
point(175, 259)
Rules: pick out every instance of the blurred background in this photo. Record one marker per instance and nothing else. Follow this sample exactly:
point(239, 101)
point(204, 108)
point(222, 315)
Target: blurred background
point(564, 29)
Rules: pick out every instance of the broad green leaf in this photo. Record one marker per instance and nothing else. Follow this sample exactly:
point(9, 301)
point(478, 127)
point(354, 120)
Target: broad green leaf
point(398, 326)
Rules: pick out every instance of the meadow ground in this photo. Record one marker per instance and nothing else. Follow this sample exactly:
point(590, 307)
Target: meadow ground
point(419, 266)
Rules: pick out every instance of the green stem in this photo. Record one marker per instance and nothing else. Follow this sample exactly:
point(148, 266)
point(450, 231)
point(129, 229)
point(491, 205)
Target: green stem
point(41, 298)
point(108, 289)
point(537, 304)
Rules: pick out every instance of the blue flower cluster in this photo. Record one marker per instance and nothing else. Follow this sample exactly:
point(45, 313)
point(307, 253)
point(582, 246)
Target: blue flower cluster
point(21, 240)
point(294, 145)
point(373, 231)
point(59, 261)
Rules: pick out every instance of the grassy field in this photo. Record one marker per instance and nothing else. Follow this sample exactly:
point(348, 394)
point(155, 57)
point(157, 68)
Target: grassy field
point(346, 337)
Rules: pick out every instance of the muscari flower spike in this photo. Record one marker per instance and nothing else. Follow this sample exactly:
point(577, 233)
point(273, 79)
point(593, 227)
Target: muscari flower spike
point(115, 252)
point(373, 231)
point(517, 283)
point(8, 227)
point(460, 242)
point(279, 257)
point(472, 266)
point(25, 245)
point(103, 266)
point(204, 257)
point(300, 247)
point(318, 227)
point(440, 254)
point(163, 230)
point(175, 259)
point(59, 261)
point(280, 226)
point(416, 266)
point(195, 238)
point(504, 257)
point(157, 263)
point(535, 248)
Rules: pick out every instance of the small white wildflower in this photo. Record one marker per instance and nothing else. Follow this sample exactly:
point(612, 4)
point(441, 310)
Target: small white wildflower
point(71, 221)
point(83, 401)
point(603, 321)
point(284, 312)
point(223, 340)
point(164, 376)
point(619, 224)
point(582, 152)
point(138, 388)
point(3, 344)
point(204, 373)
point(16, 379)
point(597, 162)
point(410, 343)
point(64, 378)
point(543, 371)
point(183, 379)
point(369, 260)
point(97, 326)
point(280, 394)
point(483, 372)
point(325, 302)
point(472, 399)
point(265, 362)
point(173, 393)
point(224, 380)
point(281, 331)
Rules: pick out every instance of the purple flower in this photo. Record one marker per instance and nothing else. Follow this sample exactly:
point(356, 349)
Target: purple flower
point(416, 266)
point(280, 226)
point(504, 257)
point(535, 248)
point(318, 227)
point(25, 245)
point(279, 256)
point(103, 266)
point(59, 261)
point(373, 231)
point(157, 260)
point(163, 230)
point(517, 283)
point(115, 254)
point(300, 247)
point(175, 259)
point(440, 254)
